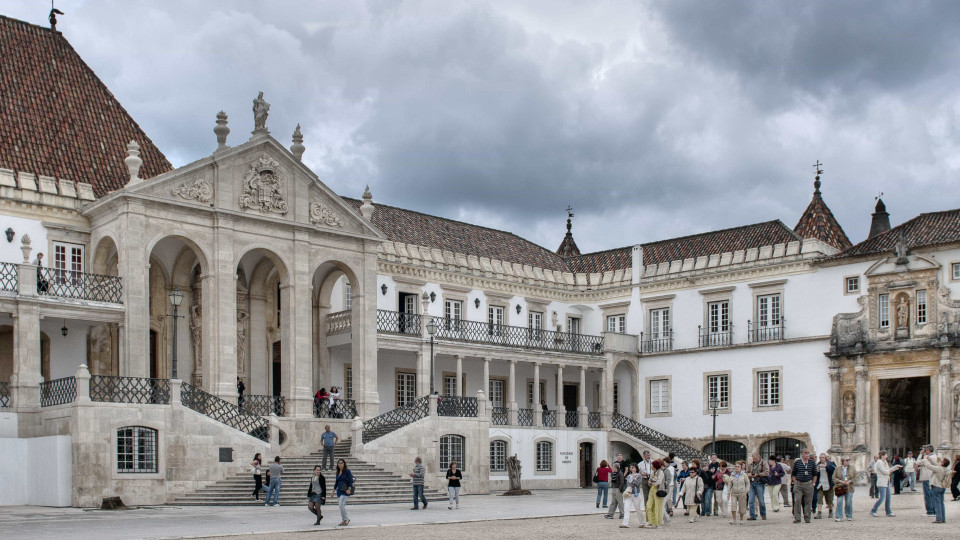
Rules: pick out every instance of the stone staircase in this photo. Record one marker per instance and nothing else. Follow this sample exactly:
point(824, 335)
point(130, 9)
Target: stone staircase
point(373, 484)
point(655, 439)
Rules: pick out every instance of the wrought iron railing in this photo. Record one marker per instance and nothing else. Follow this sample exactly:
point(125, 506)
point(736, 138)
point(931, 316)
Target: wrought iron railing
point(572, 418)
point(720, 338)
point(461, 406)
point(525, 417)
point(339, 323)
point(341, 408)
point(110, 389)
point(9, 276)
point(594, 420)
point(81, 285)
point(655, 438)
point(261, 405)
point(4, 394)
point(656, 343)
point(549, 418)
point(391, 421)
point(765, 332)
point(58, 391)
point(499, 417)
point(518, 336)
point(396, 322)
point(224, 412)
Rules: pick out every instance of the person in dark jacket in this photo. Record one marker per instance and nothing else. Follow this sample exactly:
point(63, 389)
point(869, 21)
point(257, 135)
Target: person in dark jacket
point(343, 487)
point(317, 493)
point(825, 469)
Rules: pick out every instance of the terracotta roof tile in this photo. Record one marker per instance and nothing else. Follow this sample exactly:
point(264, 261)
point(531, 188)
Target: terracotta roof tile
point(818, 222)
point(930, 229)
point(708, 243)
point(601, 261)
point(58, 119)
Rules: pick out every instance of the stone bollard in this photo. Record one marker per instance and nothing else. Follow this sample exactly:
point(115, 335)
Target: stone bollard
point(356, 442)
point(82, 379)
point(176, 392)
point(433, 404)
point(483, 411)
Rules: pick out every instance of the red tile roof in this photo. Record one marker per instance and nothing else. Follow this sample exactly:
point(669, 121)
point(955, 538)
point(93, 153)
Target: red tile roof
point(930, 229)
point(708, 243)
point(818, 222)
point(58, 119)
point(601, 261)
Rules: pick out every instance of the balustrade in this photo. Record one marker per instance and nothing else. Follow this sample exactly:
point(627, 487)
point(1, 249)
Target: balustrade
point(572, 419)
point(396, 322)
point(263, 405)
point(341, 408)
point(58, 392)
point(9, 277)
point(4, 394)
point(224, 412)
point(720, 338)
point(500, 416)
point(465, 407)
point(525, 417)
point(79, 285)
point(549, 418)
point(655, 343)
point(339, 323)
point(765, 332)
point(107, 388)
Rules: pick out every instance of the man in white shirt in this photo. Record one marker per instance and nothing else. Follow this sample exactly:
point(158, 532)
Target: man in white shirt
point(926, 453)
point(645, 468)
point(910, 469)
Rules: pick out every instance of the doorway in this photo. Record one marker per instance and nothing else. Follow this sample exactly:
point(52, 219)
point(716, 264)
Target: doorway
point(153, 355)
point(904, 420)
point(571, 396)
point(276, 368)
point(586, 464)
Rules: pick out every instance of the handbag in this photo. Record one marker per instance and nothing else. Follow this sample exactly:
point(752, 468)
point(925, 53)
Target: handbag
point(840, 490)
point(661, 493)
point(596, 478)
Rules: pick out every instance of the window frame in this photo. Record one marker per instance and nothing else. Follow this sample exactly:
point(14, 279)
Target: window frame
point(619, 323)
point(955, 271)
point(444, 375)
point(136, 433)
point(446, 450)
point(528, 389)
point(846, 285)
point(648, 386)
point(503, 391)
point(883, 311)
point(551, 445)
point(494, 326)
point(757, 394)
point(706, 392)
point(396, 382)
point(348, 381)
point(920, 309)
point(347, 296)
point(493, 458)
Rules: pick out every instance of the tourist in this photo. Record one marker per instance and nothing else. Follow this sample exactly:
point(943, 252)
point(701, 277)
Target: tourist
point(240, 388)
point(328, 439)
point(802, 476)
point(317, 493)
point(631, 489)
point(320, 401)
point(343, 487)
point(897, 477)
point(707, 473)
point(42, 283)
point(757, 471)
point(774, 481)
point(654, 506)
point(276, 472)
point(910, 469)
point(645, 468)
point(954, 487)
point(546, 410)
point(682, 477)
point(843, 478)
point(924, 476)
point(883, 471)
point(692, 491)
point(453, 484)
point(603, 482)
point(622, 463)
point(334, 398)
point(722, 488)
point(825, 486)
point(617, 484)
point(739, 485)
point(871, 469)
point(417, 475)
point(785, 463)
point(940, 477)
point(670, 481)
point(257, 477)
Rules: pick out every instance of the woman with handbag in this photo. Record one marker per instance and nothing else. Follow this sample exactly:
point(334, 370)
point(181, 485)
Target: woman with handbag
point(343, 487)
point(692, 490)
point(317, 493)
point(720, 480)
point(843, 478)
point(631, 491)
point(602, 479)
point(656, 495)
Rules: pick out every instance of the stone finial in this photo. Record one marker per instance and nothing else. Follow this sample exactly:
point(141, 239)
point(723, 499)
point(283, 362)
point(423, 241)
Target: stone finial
point(367, 208)
point(133, 162)
point(25, 248)
point(221, 130)
point(297, 147)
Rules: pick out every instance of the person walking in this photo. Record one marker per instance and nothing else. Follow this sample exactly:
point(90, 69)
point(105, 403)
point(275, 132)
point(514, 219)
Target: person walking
point(276, 472)
point(723, 488)
point(317, 493)
point(334, 398)
point(910, 469)
point(670, 481)
point(774, 481)
point(940, 477)
point(883, 471)
point(739, 486)
point(328, 439)
point(240, 388)
point(631, 489)
point(825, 486)
point(343, 487)
point(802, 477)
point(257, 476)
point(417, 475)
point(843, 479)
point(692, 491)
point(645, 468)
point(707, 509)
point(786, 464)
point(654, 506)
point(453, 484)
point(924, 476)
point(955, 481)
point(871, 469)
point(617, 486)
point(757, 471)
point(897, 477)
point(603, 482)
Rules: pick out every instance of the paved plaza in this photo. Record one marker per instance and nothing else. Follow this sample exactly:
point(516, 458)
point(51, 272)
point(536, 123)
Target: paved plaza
point(548, 514)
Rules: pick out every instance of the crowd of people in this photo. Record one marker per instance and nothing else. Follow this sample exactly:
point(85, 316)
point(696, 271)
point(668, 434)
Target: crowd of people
point(657, 488)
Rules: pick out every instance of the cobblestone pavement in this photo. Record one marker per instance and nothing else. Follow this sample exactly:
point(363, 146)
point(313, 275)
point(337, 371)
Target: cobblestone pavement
point(546, 514)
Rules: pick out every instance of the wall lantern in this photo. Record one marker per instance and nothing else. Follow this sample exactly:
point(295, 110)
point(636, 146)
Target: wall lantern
point(9, 232)
point(518, 309)
point(383, 289)
point(64, 330)
point(476, 302)
point(433, 296)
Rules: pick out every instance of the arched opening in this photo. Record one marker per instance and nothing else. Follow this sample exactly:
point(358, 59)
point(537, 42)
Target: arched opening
point(264, 361)
point(783, 447)
point(729, 451)
point(624, 388)
point(334, 313)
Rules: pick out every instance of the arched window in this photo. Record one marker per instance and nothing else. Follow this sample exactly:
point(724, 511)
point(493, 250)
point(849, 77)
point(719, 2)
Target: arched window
point(136, 450)
point(782, 447)
point(544, 456)
point(729, 451)
point(451, 449)
point(498, 456)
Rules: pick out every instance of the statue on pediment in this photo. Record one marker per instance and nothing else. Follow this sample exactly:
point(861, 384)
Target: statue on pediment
point(261, 109)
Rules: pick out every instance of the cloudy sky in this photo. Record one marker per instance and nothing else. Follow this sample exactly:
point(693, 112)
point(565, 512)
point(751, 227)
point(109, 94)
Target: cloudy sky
point(652, 119)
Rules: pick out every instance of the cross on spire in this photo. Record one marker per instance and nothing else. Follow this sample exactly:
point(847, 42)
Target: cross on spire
point(569, 216)
point(816, 180)
point(879, 195)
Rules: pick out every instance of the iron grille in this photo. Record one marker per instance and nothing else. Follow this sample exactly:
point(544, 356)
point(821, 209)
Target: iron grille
point(9, 276)
point(525, 417)
point(549, 418)
point(573, 418)
point(518, 336)
point(80, 285)
point(716, 339)
point(263, 405)
point(136, 450)
point(464, 407)
point(758, 333)
point(58, 392)
point(655, 438)
point(342, 408)
point(4, 394)
point(107, 388)
point(662, 344)
point(224, 412)
point(500, 416)
point(396, 322)
point(593, 420)
point(391, 421)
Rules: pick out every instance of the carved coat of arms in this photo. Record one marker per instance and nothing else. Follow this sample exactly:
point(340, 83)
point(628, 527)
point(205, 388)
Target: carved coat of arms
point(263, 187)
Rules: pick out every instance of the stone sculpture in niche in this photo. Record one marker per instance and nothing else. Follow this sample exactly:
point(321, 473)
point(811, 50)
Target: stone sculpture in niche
point(902, 313)
point(849, 408)
point(263, 187)
point(320, 214)
point(199, 189)
point(196, 328)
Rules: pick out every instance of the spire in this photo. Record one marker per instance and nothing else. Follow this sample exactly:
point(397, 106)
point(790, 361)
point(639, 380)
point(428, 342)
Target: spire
point(881, 219)
point(568, 248)
point(816, 179)
point(817, 221)
point(297, 147)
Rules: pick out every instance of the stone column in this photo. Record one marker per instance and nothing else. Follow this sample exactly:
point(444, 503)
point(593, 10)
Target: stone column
point(606, 405)
point(220, 316)
point(486, 378)
point(458, 390)
point(835, 407)
point(26, 377)
point(260, 353)
point(862, 403)
point(583, 397)
point(423, 371)
point(134, 269)
point(946, 402)
point(537, 410)
point(512, 394)
point(82, 378)
point(561, 409)
point(363, 350)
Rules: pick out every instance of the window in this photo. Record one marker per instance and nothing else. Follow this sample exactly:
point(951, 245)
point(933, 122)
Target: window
point(407, 317)
point(498, 456)
point(406, 388)
point(768, 388)
point(884, 310)
point(573, 325)
point(921, 307)
point(495, 320)
point(450, 384)
point(347, 297)
point(544, 456)
point(531, 404)
point(955, 270)
point(718, 387)
point(136, 450)
point(616, 397)
point(659, 323)
point(496, 392)
point(851, 284)
point(768, 310)
point(718, 316)
point(659, 396)
point(453, 313)
point(68, 261)
point(535, 322)
point(348, 381)
point(616, 324)
point(451, 449)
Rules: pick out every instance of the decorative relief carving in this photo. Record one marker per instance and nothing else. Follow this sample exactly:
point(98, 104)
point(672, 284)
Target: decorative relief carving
point(320, 214)
point(200, 189)
point(263, 187)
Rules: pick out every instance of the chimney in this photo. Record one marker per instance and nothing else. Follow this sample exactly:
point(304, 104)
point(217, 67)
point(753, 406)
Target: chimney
point(881, 220)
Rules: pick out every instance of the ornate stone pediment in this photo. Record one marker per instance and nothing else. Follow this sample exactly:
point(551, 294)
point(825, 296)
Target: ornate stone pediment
point(321, 214)
point(200, 190)
point(263, 187)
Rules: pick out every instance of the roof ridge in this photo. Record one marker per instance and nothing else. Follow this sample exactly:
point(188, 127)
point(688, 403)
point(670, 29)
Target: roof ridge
point(602, 251)
point(781, 223)
point(26, 23)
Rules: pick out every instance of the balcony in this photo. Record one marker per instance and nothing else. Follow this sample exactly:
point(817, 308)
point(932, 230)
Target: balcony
point(79, 285)
point(656, 343)
point(720, 338)
point(339, 323)
point(622, 343)
point(396, 322)
point(758, 333)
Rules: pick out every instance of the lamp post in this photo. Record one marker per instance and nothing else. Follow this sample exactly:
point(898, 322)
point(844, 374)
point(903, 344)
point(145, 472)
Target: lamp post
point(714, 404)
point(432, 330)
point(176, 297)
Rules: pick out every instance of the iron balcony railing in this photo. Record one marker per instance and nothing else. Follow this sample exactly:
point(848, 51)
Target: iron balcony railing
point(396, 322)
point(717, 338)
point(517, 336)
point(58, 391)
point(572, 419)
point(4, 394)
point(339, 323)
point(594, 420)
point(549, 418)
point(80, 285)
point(459, 406)
point(765, 332)
point(224, 412)
point(525, 417)
point(110, 389)
point(9, 277)
point(261, 405)
point(391, 421)
point(500, 416)
point(655, 343)
point(655, 438)
point(341, 408)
